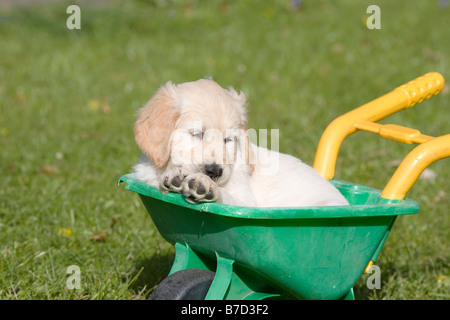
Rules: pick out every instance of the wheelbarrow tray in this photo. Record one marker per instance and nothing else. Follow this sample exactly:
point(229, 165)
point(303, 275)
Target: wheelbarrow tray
point(305, 252)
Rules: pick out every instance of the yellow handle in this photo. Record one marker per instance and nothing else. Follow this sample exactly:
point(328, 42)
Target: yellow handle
point(413, 165)
point(366, 116)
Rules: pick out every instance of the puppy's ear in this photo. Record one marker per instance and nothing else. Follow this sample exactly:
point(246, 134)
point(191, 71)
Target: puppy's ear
point(155, 124)
point(242, 102)
point(238, 96)
point(250, 157)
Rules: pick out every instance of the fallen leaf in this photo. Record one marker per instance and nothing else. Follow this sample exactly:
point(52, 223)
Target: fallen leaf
point(100, 236)
point(48, 169)
point(433, 56)
point(106, 109)
point(114, 221)
point(337, 48)
point(11, 167)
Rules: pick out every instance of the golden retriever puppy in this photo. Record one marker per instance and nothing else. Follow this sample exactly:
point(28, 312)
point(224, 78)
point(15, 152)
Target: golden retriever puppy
point(194, 140)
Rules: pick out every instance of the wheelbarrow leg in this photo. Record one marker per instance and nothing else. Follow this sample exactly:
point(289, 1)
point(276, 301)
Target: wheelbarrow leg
point(189, 278)
point(228, 283)
point(231, 283)
point(186, 258)
point(349, 296)
point(222, 279)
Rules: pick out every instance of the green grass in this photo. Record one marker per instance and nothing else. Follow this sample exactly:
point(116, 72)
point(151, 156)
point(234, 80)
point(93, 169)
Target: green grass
point(68, 100)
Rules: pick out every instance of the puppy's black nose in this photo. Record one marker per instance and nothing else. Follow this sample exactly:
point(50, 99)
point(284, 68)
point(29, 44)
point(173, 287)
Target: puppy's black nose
point(214, 171)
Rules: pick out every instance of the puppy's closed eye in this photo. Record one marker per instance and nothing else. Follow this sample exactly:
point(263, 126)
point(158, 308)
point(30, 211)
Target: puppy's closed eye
point(198, 135)
point(229, 139)
point(201, 134)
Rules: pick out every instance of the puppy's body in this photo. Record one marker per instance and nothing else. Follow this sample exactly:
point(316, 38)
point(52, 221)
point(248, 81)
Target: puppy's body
point(293, 184)
point(194, 140)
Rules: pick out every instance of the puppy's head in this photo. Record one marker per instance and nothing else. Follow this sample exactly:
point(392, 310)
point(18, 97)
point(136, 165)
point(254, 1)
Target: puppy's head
point(197, 125)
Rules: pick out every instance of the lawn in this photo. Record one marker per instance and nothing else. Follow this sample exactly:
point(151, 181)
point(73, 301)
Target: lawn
point(68, 100)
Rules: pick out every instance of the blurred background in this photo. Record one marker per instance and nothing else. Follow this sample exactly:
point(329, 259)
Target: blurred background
point(68, 100)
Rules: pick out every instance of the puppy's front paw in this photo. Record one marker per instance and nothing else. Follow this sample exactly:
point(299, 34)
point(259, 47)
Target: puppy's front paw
point(198, 187)
point(172, 180)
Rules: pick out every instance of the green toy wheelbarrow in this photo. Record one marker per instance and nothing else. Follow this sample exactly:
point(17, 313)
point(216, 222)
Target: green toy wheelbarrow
point(230, 252)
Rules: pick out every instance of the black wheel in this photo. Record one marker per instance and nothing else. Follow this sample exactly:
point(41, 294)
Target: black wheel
point(187, 284)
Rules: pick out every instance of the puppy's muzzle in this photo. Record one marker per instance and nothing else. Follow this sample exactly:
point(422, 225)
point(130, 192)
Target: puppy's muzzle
point(214, 171)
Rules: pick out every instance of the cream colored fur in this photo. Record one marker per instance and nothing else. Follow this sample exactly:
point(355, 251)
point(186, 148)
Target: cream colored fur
point(194, 141)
